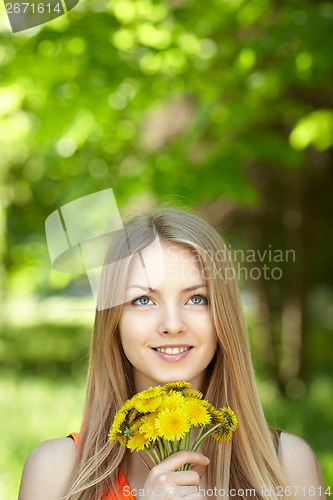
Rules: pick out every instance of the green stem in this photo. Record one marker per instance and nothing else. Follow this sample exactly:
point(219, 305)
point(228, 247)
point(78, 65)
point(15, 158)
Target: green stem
point(161, 448)
point(198, 437)
point(168, 445)
point(198, 443)
point(188, 438)
point(175, 445)
point(150, 456)
point(158, 458)
point(188, 441)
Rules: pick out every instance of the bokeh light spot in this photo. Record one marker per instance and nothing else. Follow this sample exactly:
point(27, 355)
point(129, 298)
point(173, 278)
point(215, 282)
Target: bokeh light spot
point(315, 129)
point(66, 146)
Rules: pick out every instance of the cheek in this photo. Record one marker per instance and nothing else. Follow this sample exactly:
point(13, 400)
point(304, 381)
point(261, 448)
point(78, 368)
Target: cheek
point(212, 347)
point(212, 343)
point(126, 325)
point(125, 334)
point(131, 336)
point(129, 348)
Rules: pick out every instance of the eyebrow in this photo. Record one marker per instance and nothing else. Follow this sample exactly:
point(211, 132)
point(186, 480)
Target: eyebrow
point(153, 290)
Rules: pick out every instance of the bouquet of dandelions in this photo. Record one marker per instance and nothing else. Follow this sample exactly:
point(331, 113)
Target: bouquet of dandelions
point(159, 421)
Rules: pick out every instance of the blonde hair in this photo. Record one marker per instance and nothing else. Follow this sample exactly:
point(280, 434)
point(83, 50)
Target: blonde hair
point(249, 460)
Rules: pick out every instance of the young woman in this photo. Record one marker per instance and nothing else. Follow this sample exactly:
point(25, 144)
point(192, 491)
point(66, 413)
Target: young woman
point(169, 310)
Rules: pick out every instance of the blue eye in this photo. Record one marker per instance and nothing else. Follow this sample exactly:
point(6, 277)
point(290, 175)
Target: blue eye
point(199, 300)
point(141, 301)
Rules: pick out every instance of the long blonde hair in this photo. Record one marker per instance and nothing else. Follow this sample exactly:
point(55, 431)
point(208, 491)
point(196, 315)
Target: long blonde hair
point(248, 461)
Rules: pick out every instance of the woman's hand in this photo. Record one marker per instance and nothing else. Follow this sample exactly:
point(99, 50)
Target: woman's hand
point(164, 480)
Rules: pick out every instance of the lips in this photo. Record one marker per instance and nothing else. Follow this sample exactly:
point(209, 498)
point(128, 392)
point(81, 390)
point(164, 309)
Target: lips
point(173, 353)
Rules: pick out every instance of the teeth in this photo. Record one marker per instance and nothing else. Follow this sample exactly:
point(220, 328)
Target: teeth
point(172, 350)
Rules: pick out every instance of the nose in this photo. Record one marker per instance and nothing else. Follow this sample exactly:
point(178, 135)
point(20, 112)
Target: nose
point(172, 321)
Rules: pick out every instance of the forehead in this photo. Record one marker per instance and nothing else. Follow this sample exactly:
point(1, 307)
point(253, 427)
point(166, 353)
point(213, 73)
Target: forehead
point(158, 262)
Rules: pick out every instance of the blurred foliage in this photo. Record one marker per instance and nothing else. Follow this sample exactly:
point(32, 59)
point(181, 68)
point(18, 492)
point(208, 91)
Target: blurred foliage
point(151, 97)
point(44, 350)
point(228, 108)
point(37, 409)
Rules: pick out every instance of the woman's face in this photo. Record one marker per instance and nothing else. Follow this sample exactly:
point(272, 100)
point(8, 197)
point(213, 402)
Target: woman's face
point(167, 332)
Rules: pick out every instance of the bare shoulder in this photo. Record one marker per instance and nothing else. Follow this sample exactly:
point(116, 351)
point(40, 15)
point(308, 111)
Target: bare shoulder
point(47, 469)
point(300, 466)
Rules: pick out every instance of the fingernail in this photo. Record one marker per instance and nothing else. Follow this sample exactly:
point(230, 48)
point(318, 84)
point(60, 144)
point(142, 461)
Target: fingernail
point(207, 460)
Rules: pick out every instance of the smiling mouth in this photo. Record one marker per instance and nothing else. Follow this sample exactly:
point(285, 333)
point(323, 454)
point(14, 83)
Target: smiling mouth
point(172, 350)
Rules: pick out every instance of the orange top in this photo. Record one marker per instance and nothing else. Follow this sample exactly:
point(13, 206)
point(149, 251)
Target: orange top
point(121, 481)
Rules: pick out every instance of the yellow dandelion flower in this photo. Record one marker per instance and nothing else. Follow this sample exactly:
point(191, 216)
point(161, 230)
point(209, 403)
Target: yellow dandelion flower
point(151, 392)
point(173, 424)
point(134, 426)
point(128, 405)
point(191, 393)
point(173, 400)
point(176, 386)
point(216, 416)
point(132, 415)
point(122, 440)
point(118, 421)
point(196, 412)
point(148, 405)
point(229, 417)
point(149, 426)
point(112, 435)
point(138, 442)
point(222, 433)
point(213, 412)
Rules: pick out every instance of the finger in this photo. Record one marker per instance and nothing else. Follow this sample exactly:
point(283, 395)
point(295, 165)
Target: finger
point(187, 490)
point(180, 491)
point(187, 478)
point(180, 458)
point(170, 491)
point(188, 493)
point(194, 496)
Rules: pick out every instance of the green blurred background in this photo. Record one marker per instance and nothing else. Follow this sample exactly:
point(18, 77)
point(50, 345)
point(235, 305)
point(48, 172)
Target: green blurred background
point(223, 107)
